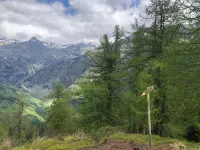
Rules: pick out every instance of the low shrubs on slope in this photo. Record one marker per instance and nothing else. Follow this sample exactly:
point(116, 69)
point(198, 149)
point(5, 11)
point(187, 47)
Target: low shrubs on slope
point(74, 142)
point(82, 141)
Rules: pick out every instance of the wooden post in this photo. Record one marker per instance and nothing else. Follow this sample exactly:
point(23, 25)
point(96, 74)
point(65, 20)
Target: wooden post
point(149, 117)
point(147, 92)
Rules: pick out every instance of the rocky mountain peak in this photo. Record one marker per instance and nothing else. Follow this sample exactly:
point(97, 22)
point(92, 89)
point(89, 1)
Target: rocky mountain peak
point(33, 39)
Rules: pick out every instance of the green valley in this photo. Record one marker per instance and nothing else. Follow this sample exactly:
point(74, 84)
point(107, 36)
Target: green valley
point(10, 98)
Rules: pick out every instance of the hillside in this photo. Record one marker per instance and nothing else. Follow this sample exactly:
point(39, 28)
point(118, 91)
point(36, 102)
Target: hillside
point(10, 98)
point(116, 141)
point(67, 71)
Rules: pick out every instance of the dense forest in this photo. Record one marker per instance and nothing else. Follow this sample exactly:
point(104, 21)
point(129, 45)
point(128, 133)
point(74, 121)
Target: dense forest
point(163, 50)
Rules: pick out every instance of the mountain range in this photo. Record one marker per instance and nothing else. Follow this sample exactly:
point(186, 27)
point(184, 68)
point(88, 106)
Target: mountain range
point(33, 64)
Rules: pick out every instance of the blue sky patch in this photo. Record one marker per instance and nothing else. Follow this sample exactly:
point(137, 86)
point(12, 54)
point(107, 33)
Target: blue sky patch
point(135, 3)
point(73, 11)
point(65, 2)
point(69, 11)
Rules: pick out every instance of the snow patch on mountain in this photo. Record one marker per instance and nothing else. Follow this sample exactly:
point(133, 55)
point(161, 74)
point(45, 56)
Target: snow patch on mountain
point(4, 42)
point(54, 46)
point(71, 46)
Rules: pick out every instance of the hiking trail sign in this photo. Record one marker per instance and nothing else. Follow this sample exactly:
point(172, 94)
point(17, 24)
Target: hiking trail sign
point(147, 93)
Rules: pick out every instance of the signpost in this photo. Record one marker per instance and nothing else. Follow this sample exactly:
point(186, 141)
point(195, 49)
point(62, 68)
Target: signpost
point(147, 92)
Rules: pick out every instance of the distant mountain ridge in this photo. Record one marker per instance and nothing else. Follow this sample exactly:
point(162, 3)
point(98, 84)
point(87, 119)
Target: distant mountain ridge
point(33, 62)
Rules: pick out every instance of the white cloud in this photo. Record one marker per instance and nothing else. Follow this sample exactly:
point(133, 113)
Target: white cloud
point(23, 19)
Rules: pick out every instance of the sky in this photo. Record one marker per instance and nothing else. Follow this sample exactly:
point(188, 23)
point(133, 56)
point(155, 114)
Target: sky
point(66, 21)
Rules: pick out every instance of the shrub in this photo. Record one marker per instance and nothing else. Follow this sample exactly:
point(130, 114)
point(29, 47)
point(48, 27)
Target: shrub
point(193, 133)
point(103, 132)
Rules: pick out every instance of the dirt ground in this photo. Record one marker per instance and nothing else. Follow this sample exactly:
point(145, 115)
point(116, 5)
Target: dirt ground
point(123, 145)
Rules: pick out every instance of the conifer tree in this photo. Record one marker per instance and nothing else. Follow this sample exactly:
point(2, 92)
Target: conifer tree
point(182, 62)
point(60, 116)
point(102, 95)
point(165, 23)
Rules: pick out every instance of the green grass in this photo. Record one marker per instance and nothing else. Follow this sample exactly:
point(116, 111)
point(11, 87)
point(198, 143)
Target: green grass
point(81, 141)
point(31, 111)
point(10, 96)
point(75, 142)
point(48, 102)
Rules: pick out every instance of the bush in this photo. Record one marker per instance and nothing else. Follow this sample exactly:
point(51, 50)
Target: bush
point(102, 132)
point(193, 133)
point(3, 133)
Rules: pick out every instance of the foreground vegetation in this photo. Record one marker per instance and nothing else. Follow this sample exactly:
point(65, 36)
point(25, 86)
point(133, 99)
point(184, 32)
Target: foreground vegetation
point(81, 141)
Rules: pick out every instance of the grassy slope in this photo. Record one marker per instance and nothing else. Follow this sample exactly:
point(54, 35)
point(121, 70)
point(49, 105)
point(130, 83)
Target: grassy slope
point(68, 143)
point(10, 96)
point(81, 141)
